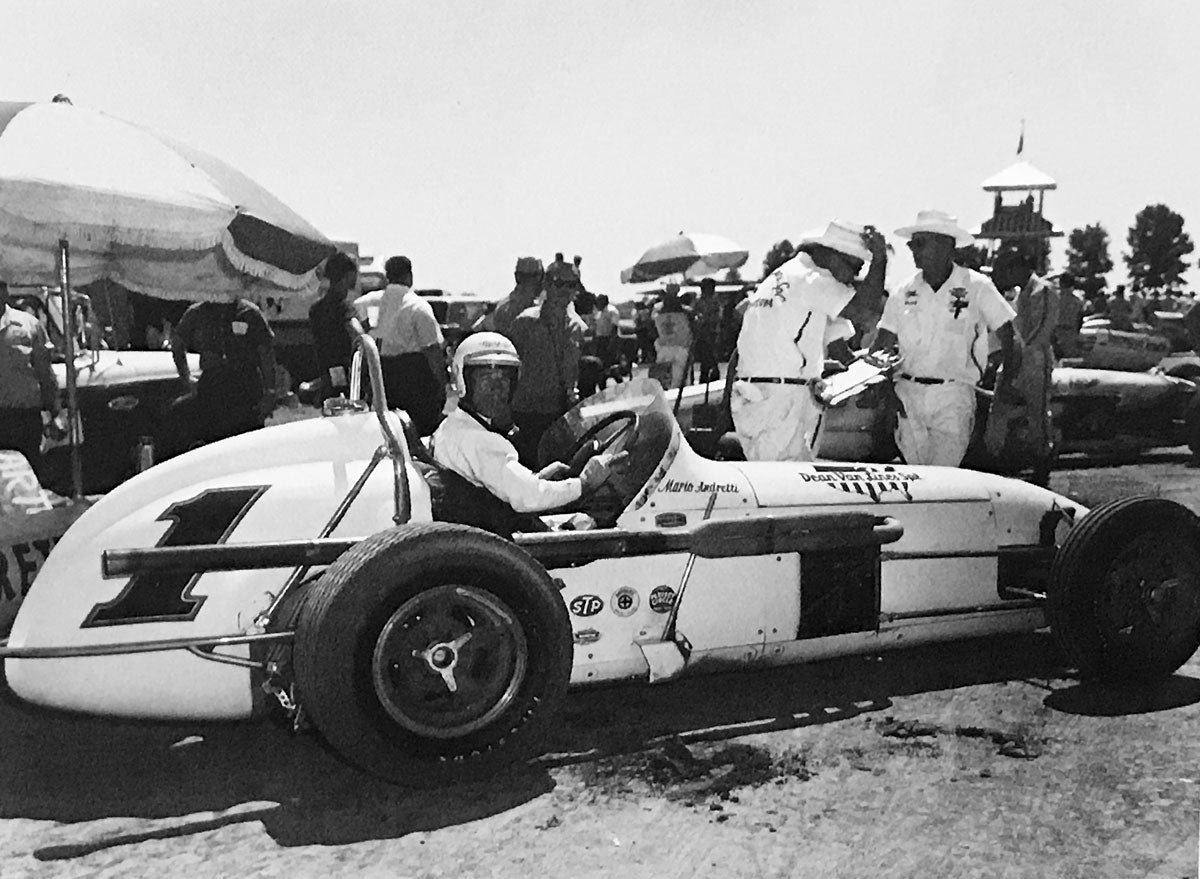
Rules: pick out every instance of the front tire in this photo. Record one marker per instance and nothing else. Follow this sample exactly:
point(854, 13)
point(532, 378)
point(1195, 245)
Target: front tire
point(1124, 599)
point(434, 653)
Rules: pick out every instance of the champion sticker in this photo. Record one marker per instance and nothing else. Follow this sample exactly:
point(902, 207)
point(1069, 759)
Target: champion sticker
point(586, 605)
point(662, 599)
point(872, 482)
point(625, 601)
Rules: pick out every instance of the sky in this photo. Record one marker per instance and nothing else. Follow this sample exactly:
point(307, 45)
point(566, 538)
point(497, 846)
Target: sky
point(467, 134)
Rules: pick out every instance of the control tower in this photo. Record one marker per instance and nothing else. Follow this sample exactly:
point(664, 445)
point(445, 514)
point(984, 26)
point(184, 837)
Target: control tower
point(1020, 223)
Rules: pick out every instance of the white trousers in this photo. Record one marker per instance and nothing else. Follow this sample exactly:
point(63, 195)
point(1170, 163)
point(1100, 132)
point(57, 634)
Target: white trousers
point(775, 422)
point(936, 427)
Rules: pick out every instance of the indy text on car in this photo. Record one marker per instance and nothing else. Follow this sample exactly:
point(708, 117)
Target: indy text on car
point(305, 564)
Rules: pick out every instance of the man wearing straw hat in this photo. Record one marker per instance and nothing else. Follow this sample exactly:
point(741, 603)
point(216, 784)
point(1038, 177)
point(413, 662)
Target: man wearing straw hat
point(789, 320)
point(940, 321)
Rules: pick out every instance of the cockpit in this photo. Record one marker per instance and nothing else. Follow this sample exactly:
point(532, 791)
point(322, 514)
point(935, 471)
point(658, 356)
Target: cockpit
point(632, 417)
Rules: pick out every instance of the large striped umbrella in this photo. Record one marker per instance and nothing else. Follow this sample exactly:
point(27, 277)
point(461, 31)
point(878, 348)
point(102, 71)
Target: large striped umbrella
point(140, 209)
point(84, 196)
point(690, 254)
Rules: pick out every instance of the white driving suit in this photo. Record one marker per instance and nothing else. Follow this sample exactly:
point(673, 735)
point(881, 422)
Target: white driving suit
point(485, 458)
point(789, 321)
point(943, 340)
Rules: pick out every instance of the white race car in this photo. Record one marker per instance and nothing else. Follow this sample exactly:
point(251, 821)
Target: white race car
point(302, 564)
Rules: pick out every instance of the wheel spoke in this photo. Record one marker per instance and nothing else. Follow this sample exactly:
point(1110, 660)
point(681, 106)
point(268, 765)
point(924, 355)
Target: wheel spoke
point(449, 661)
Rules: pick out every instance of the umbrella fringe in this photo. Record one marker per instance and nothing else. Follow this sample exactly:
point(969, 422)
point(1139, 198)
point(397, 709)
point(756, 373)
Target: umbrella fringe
point(279, 277)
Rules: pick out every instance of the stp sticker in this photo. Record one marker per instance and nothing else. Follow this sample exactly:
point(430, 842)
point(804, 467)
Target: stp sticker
point(625, 601)
point(662, 599)
point(586, 605)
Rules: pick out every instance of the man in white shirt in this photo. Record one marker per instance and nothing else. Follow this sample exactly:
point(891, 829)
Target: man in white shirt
point(411, 349)
point(474, 439)
point(606, 328)
point(787, 325)
point(940, 321)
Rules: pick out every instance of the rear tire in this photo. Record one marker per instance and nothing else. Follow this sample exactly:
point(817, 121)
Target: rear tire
point(432, 654)
point(1124, 599)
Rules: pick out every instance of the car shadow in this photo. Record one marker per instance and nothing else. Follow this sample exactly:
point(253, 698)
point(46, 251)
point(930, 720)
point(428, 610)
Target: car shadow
point(178, 779)
point(1093, 699)
point(166, 780)
point(615, 720)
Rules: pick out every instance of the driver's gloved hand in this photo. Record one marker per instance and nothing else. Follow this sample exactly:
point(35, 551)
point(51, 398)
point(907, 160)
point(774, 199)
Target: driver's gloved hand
point(598, 469)
point(554, 470)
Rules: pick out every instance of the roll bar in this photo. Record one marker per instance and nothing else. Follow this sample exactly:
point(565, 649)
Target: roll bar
point(366, 351)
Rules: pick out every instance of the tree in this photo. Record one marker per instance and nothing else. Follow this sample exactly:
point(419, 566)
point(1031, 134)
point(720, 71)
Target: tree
point(1087, 260)
point(1157, 246)
point(733, 276)
point(780, 252)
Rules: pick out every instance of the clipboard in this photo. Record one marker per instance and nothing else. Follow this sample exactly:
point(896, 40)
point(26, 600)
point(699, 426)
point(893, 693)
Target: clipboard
point(867, 370)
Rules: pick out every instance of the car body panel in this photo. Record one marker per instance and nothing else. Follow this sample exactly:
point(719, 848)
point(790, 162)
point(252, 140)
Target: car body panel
point(303, 470)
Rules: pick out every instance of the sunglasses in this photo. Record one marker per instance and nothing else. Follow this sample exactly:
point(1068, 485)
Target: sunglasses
point(920, 243)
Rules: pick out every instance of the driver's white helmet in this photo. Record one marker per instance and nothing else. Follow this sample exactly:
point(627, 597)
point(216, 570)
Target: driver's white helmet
point(481, 349)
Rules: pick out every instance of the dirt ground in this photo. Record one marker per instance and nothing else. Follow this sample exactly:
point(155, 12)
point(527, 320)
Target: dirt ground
point(971, 759)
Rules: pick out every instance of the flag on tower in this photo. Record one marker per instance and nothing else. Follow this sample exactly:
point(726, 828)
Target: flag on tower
point(1021, 140)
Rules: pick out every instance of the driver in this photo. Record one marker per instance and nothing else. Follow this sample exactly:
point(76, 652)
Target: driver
point(475, 440)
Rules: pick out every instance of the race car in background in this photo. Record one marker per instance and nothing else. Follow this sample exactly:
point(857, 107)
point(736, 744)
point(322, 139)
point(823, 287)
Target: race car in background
point(1103, 413)
point(315, 565)
point(121, 395)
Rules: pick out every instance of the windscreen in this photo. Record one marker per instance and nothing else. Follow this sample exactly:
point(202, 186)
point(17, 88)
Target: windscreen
point(649, 431)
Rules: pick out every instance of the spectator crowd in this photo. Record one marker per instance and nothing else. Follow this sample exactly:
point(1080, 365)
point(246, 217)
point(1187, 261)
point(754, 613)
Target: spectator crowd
point(955, 331)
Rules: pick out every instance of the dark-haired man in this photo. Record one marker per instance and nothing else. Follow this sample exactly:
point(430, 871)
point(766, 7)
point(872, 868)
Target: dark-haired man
point(236, 389)
point(328, 318)
point(411, 349)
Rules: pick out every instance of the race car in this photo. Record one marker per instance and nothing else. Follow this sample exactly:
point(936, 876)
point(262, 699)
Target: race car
point(311, 565)
point(120, 396)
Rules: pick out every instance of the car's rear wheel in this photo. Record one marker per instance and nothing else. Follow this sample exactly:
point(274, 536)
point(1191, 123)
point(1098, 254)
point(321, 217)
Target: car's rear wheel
point(1124, 599)
point(433, 653)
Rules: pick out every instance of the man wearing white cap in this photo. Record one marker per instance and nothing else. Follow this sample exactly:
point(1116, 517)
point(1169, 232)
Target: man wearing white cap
point(940, 321)
point(789, 320)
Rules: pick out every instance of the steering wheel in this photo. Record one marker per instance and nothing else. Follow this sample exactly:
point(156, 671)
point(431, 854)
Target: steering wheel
point(587, 446)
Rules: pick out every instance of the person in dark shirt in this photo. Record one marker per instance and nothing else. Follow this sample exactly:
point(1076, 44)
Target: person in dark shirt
point(329, 320)
point(236, 389)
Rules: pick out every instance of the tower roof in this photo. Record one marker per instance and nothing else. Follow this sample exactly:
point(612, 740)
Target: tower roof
point(1022, 176)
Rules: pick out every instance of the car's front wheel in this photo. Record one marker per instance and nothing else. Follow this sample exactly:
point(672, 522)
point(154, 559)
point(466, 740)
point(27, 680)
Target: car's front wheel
point(1124, 599)
point(433, 653)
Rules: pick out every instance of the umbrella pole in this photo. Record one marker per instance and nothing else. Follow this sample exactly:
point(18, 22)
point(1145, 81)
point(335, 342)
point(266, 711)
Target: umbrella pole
point(64, 280)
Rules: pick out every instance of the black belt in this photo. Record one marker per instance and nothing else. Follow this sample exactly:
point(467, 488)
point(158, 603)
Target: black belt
point(774, 380)
point(922, 380)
